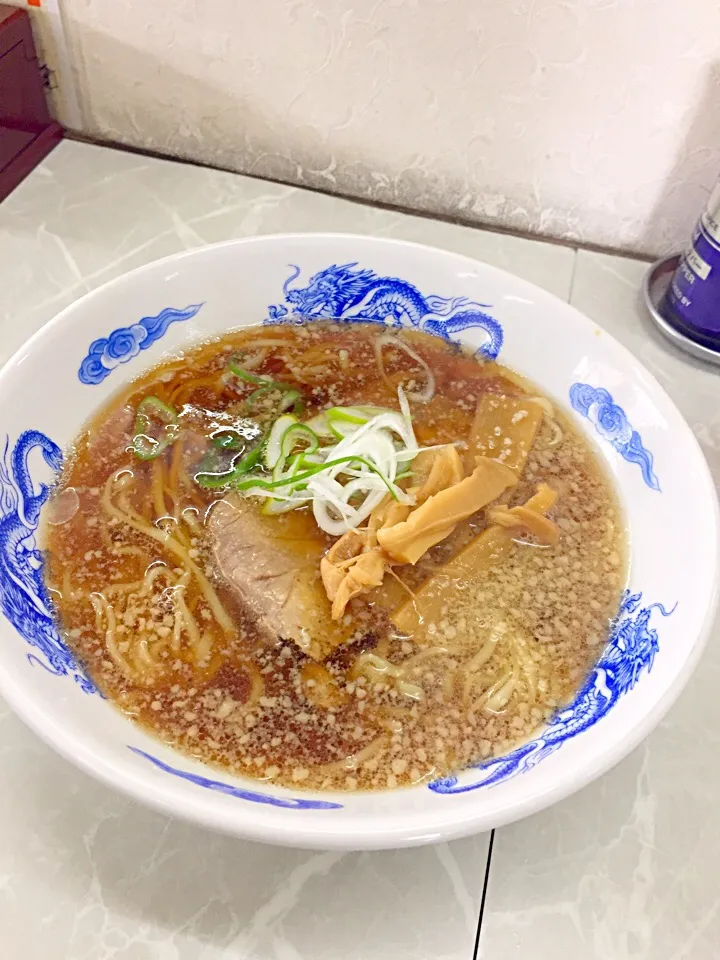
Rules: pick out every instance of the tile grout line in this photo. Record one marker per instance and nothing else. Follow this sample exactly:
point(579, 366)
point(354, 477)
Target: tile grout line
point(483, 897)
point(571, 289)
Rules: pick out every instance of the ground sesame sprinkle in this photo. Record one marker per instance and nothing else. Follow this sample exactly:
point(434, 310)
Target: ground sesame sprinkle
point(505, 647)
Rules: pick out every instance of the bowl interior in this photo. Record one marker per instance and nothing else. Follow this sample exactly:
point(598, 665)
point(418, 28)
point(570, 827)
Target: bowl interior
point(60, 377)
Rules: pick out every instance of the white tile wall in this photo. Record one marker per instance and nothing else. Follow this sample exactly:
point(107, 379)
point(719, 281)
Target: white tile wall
point(591, 120)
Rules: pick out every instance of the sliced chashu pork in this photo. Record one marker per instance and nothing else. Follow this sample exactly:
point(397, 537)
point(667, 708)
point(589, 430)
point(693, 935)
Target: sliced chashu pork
point(274, 568)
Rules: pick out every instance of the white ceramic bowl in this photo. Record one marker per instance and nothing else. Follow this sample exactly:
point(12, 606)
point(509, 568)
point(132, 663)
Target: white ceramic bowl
point(84, 355)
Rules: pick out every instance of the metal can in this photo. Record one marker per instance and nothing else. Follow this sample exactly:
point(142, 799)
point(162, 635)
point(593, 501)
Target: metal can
point(692, 302)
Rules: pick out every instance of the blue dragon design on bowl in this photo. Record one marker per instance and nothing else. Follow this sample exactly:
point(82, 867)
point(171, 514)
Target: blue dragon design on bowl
point(24, 598)
point(353, 293)
point(290, 803)
point(124, 343)
point(629, 652)
point(610, 420)
point(25, 602)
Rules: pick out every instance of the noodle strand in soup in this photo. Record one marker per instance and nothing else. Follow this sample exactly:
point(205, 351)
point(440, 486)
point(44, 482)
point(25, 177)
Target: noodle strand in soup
point(335, 556)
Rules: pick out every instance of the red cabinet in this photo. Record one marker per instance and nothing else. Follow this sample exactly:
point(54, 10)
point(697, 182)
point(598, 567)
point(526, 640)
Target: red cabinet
point(27, 131)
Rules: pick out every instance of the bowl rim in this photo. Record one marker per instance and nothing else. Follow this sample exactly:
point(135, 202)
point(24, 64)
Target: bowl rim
point(360, 832)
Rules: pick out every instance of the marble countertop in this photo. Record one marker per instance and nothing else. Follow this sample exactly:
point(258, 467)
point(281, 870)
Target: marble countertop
point(627, 869)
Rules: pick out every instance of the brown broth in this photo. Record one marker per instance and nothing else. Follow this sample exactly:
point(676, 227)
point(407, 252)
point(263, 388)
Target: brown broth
point(268, 711)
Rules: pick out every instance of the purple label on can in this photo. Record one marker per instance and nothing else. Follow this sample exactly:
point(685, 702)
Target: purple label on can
point(693, 298)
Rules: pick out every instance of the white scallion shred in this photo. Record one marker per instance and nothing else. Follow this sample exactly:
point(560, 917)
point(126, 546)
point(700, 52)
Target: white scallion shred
point(343, 495)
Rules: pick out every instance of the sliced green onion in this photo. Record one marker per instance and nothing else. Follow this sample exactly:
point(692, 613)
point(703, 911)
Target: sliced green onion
point(216, 481)
point(285, 435)
point(319, 425)
point(274, 448)
point(227, 438)
point(288, 473)
point(259, 380)
point(358, 415)
point(342, 481)
point(242, 374)
point(249, 482)
point(289, 396)
point(342, 421)
point(150, 411)
point(300, 433)
point(292, 399)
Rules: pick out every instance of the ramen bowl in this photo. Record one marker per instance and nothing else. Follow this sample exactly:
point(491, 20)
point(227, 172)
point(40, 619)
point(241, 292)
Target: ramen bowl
point(98, 345)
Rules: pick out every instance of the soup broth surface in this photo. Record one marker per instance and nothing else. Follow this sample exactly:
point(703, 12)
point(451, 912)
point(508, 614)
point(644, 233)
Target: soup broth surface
point(448, 662)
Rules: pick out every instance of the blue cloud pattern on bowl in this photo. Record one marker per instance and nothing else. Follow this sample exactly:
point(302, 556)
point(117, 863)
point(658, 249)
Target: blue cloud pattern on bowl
point(350, 293)
point(630, 650)
point(124, 343)
point(240, 792)
point(24, 597)
point(611, 422)
point(342, 292)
